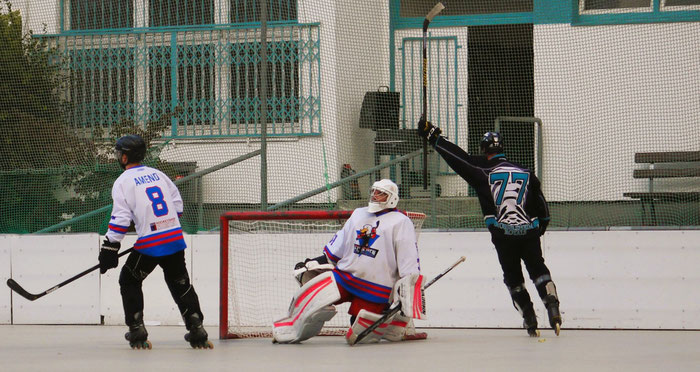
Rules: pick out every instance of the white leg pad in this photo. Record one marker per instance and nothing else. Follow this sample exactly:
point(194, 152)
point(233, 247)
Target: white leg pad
point(311, 307)
point(397, 327)
point(363, 321)
point(401, 328)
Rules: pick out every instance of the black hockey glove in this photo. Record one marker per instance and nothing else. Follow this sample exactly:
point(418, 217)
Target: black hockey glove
point(428, 131)
point(109, 257)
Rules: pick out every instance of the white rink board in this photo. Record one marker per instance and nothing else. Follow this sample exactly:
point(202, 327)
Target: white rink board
point(39, 262)
point(5, 272)
point(205, 275)
point(606, 279)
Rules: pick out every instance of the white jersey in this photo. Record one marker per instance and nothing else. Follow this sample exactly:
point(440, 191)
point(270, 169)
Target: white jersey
point(149, 198)
point(372, 252)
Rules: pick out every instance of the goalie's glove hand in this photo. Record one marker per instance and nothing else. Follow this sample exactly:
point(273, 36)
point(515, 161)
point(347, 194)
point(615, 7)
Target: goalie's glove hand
point(428, 131)
point(301, 265)
point(109, 257)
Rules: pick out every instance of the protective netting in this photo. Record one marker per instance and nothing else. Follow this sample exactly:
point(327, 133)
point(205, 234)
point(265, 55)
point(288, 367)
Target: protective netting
point(582, 90)
point(259, 252)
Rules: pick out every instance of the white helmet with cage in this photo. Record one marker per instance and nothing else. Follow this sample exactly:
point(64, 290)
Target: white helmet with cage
point(385, 187)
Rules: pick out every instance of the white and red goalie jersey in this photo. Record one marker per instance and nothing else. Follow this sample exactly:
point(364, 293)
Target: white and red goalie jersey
point(149, 198)
point(372, 252)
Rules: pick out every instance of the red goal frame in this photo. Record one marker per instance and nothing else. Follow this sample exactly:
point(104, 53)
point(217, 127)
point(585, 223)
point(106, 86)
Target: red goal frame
point(265, 215)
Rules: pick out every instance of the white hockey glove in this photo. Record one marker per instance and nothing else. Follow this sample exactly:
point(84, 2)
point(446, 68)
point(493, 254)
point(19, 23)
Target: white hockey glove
point(408, 291)
point(309, 269)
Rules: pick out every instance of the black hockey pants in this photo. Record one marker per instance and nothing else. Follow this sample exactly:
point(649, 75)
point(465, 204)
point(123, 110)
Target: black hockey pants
point(138, 266)
point(511, 251)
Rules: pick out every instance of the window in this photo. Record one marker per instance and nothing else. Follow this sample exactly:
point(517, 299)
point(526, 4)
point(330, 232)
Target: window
point(100, 14)
point(181, 12)
point(680, 4)
point(243, 11)
point(282, 83)
point(614, 4)
point(419, 8)
point(195, 84)
point(102, 86)
point(596, 12)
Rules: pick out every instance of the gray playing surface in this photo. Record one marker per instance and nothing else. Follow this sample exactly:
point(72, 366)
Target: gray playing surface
point(102, 348)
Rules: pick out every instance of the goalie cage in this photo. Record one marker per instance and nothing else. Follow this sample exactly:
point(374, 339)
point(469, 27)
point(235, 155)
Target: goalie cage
point(258, 254)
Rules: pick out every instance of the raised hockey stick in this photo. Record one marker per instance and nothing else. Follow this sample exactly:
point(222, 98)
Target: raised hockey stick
point(397, 308)
point(31, 297)
point(428, 18)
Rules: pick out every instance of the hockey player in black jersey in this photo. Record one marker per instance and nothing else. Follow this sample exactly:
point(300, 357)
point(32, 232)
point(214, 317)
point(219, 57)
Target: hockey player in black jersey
point(515, 212)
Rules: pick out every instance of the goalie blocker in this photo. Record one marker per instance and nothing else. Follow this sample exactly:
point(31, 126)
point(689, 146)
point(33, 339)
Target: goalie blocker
point(312, 306)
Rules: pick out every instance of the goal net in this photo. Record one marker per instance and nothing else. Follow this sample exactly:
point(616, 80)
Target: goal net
point(258, 254)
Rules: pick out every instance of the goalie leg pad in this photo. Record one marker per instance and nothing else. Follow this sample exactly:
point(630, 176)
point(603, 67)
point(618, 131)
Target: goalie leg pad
point(401, 328)
point(409, 291)
point(363, 321)
point(311, 307)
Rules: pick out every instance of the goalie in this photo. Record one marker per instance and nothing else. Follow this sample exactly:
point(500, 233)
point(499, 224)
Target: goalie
point(371, 262)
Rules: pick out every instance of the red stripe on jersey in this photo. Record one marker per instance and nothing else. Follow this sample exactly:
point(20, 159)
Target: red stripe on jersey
point(162, 235)
point(139, 245)
point(365, 285)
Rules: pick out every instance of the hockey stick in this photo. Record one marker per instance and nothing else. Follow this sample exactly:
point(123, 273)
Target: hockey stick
point(397, 308)
point(428, 18)
point(31, 297)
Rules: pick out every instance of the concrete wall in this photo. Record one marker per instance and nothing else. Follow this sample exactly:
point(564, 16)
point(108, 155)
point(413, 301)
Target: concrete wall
point(605, 279)
point(606, 92)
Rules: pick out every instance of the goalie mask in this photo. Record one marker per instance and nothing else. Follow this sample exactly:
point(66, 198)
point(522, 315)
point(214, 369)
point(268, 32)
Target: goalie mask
point(383, 195)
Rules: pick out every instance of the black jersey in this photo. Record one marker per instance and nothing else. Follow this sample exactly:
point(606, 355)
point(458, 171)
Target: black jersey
point(510, 195)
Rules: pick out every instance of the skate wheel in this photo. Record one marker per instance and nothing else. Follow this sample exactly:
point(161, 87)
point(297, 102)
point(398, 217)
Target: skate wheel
point(534, 334)
point(142, 345)
point(203, 345)
point(557, 329)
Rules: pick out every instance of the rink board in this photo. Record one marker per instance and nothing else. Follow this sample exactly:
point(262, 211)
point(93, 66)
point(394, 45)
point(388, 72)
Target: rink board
point(605, 279)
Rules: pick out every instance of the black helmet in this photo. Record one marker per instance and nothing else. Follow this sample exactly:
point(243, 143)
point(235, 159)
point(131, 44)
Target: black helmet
point(132, 146)
point(492, 143)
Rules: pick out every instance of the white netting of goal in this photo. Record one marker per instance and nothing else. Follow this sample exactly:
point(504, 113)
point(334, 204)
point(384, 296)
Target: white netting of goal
point(258, 253)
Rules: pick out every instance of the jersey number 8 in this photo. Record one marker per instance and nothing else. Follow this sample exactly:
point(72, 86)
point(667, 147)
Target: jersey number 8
point(155, 195)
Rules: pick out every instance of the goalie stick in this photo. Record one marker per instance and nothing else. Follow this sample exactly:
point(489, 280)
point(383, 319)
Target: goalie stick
point(428, 18)
point(31, 297)
point(397, 308)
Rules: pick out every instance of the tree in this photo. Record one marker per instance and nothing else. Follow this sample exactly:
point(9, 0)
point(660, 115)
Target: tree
point(49, 171)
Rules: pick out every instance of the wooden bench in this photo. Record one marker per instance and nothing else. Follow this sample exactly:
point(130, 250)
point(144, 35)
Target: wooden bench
point(680, 165)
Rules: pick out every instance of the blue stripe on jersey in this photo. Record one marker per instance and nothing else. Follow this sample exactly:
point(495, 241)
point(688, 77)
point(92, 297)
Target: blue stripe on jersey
point(161, 244)
point(362, 288)
point(330, 255)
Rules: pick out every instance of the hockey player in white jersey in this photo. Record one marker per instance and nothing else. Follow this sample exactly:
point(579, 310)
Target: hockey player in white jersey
point(151, 200)
point(374, 262)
